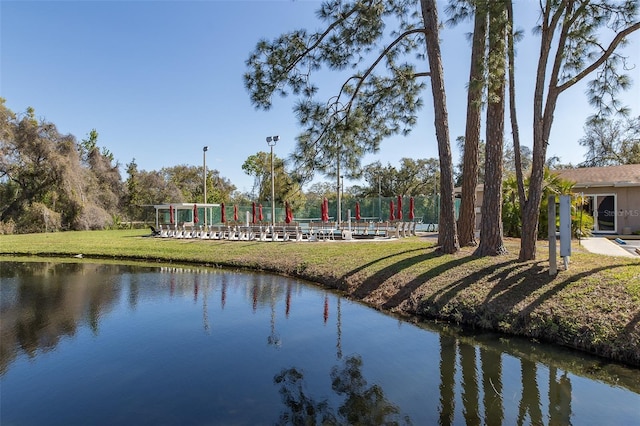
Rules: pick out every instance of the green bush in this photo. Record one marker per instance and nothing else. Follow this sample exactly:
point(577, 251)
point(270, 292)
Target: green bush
point(36, 217)
point(8, 227)
point(581, 223)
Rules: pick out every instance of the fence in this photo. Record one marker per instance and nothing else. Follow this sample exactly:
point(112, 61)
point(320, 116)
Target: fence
point(426, 210)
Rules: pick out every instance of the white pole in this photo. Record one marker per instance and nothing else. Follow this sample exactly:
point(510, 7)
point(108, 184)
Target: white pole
point(551, 225)
point(338, 206)
point(204, 180)
point(273, 192)
point(271, 141)
point(565, 229)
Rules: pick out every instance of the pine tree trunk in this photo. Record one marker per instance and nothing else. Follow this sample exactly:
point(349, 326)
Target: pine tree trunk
point(447, 231)
point(515, 130)
point(491, 243)
point(467, 218)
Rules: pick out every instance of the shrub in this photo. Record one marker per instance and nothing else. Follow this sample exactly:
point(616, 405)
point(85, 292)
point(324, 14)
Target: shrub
point(37, 217)
point(8, 227)
point(93, 218)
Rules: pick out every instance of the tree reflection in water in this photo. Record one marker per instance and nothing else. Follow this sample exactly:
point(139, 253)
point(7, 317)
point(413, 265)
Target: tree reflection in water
point(362, 405)
point(530, 401)
point(456, 354)
point(447, 379)
point(469, 384)
point(50, 301)
point(481, 379)
point(492, 384)
point(559, 398)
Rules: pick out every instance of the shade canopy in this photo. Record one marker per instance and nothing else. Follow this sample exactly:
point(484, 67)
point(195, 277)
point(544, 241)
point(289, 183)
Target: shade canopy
point(260, 217)
point(172, 219)
point(357, 211)
point(223, 214)
point(399, 215)
point(195, 214)
point(392, 212)
point(235, 213)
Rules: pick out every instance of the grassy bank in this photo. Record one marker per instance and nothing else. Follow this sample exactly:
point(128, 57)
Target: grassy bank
point(594, 306)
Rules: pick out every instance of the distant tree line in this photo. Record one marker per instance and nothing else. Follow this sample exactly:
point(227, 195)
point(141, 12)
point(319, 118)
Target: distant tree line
point(51, 182)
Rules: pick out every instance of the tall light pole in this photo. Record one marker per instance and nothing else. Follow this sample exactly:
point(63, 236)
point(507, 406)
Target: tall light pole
point(336, 115)
point(379, 198)
point(204, 180)
point(271, 141)
point(341, 195)
point(338, 206)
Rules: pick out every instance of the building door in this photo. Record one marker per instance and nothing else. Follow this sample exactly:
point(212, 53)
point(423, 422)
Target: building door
point(603, 209)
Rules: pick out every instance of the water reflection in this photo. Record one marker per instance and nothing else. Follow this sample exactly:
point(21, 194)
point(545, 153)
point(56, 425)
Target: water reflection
point(529, 404)
point(447, 378)
point(361, 404)
point(530, 401)
point(492, 384)
point(559, 397)
point(43, 303)
point(480, 379)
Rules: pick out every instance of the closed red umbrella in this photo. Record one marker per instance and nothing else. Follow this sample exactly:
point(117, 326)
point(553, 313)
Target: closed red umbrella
point(392, 213)
point(235, 213)
point(399, 207)
point(171, 217)
point(325, 210)
point(357, 211)
point(253, 212)
point(260, 217)
point(223, 214)
point(287, 212)
point(195, 214)
point(411, 207)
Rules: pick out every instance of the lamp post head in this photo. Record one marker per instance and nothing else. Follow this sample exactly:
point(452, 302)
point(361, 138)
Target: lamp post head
point(205, 149)
point(271, 140)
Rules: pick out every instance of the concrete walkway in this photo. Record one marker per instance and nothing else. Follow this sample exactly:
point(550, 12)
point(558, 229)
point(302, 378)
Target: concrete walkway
point(602, 245)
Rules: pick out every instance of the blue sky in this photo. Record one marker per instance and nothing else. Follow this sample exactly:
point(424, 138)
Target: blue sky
point(159, 80)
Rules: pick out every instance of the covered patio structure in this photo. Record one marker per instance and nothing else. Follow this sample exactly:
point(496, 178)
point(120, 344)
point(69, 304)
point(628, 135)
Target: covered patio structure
point(185, 214)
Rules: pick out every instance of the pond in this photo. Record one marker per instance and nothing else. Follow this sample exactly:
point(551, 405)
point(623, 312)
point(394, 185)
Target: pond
point(85, 343)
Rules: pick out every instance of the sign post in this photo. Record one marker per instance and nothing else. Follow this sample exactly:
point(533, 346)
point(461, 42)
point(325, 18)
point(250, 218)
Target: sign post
point(565, 229)
point(551, 225)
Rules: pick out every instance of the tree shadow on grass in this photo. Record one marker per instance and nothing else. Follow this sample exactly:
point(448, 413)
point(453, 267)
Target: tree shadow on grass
point(563, 284)
point(405, 292)
point(448, 292)
point(373, 262)
point(513, 286)
point(373, 282)
point(504, 280)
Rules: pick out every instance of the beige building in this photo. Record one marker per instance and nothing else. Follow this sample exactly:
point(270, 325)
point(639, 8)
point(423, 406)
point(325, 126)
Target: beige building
point(612, 196)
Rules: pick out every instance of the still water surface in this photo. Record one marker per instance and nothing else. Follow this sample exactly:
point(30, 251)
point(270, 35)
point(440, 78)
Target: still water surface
point(111, 344)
